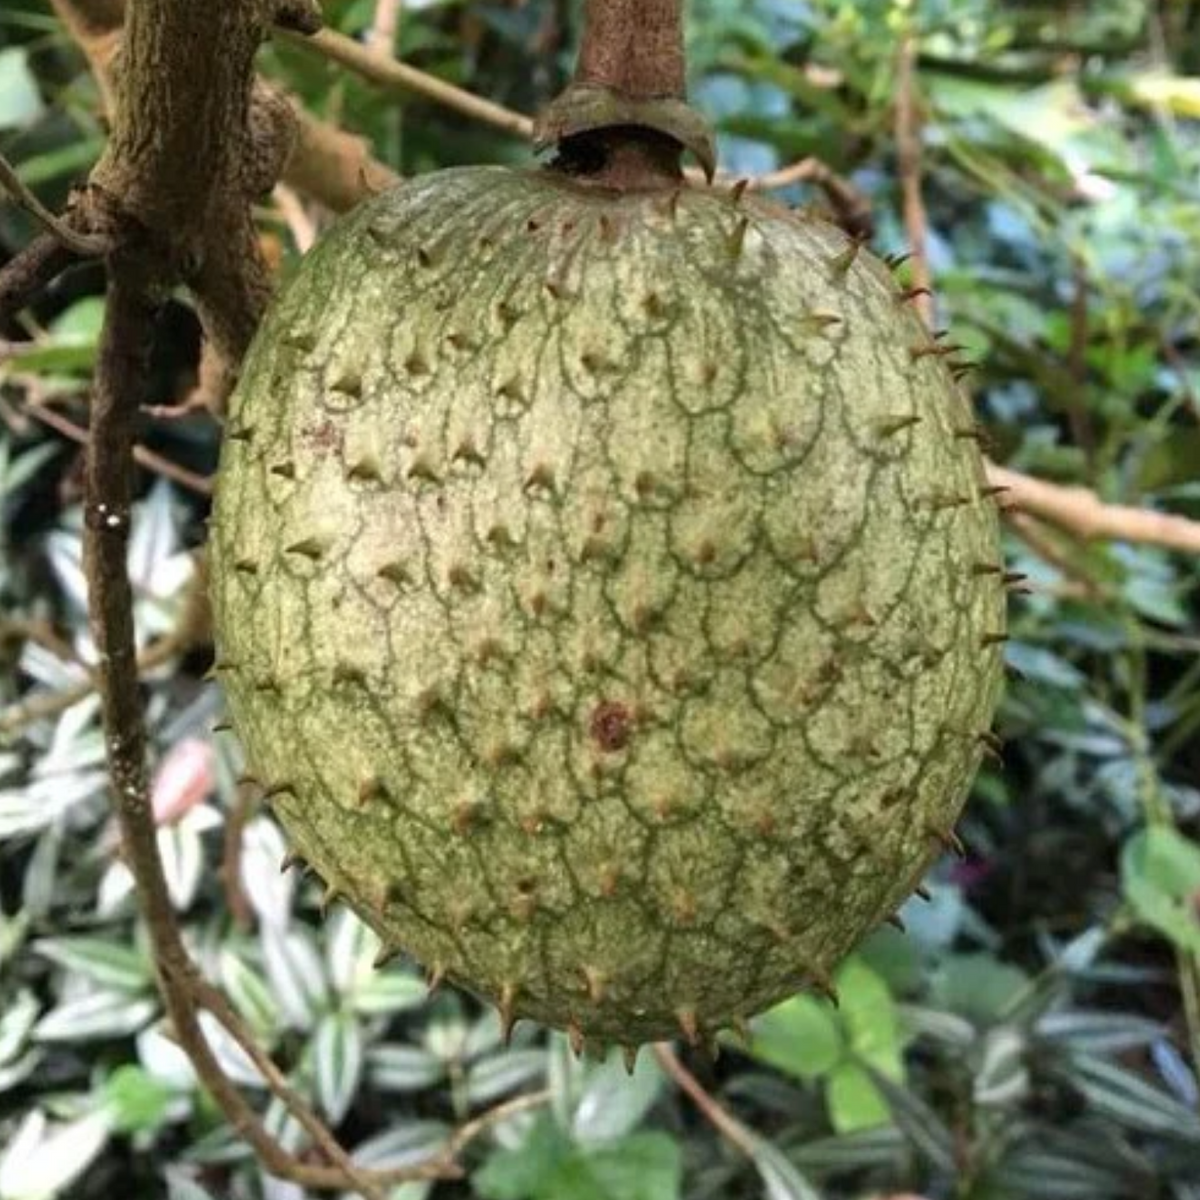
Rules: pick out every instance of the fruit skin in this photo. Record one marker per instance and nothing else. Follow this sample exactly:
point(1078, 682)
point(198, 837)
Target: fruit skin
point(606, 592)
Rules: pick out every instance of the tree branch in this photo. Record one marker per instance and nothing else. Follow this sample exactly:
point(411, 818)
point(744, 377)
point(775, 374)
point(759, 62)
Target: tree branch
point(908, 168)
point(335, 168)
point(728, 1126)
point(1084, 514)
point(387, 72)
point(82, 245)
point(200, 485)
point(27, 273)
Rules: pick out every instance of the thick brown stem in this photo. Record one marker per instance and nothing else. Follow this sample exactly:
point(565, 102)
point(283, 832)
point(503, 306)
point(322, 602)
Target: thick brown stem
point(634, 47)
point(163, 171)
point(624, 121)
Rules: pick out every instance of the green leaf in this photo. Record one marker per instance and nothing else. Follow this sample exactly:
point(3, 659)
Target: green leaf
point(337, 1063)
point(799, 1036)
point(106, 963)
point(1002, 1080)
point(922, 1126)
point(69, 347)
point(249, 992)
point(976, 986)
point(1129, 1099)
point(399, 1068)
point(1160, 874)
point(16, 1020)
point(99, 1015)
point(780, 1176)
point(546, 1166)
point(499, 1074)
point(868, 1014)
point(41, 1160)
point(388, 992)
point(1176, 93)
point(517, 1174)
point(79, 325)
point(644, 1166)
point(135, 1100)
point(20, 100)
point(613, 1102)
point(854, 1101)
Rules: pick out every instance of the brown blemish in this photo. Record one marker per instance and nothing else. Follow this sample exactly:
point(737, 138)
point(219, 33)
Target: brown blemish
point(323, 436)
point(611, 726)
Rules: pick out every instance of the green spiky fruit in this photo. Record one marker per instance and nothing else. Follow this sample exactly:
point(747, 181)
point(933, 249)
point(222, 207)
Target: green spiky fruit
point(607, 592)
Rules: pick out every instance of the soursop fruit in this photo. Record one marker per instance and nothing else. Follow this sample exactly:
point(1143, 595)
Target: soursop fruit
point(607, 591)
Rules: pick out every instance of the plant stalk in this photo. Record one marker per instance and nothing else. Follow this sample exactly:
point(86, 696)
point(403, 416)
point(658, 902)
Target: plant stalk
point(634, 47)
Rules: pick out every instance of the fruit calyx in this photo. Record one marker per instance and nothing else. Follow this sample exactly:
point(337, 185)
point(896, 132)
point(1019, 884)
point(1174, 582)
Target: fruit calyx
point(624, 122)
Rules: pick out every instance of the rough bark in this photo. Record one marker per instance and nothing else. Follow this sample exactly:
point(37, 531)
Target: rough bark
point(331, 166)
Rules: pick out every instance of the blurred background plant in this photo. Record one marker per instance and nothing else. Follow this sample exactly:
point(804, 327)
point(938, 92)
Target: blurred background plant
point(1034, 1033)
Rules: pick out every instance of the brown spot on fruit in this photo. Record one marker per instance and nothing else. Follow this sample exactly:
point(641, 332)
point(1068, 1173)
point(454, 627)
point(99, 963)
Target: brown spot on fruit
point(323, 436)
point(611, 726)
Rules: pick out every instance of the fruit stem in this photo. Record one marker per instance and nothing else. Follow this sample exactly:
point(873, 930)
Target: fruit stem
point(633, 47)
point(624, 122)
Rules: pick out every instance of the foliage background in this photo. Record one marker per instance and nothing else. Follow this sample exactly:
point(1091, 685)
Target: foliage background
point(1035, 1032)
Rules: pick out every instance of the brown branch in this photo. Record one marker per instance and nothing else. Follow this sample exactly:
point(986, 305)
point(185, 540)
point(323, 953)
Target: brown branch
point(135, 293)
point(40, 633)
point(51, 704)
point(386, 72)
point(335, 168)
point(82, 245)
point(172, 191)
point(633, 47)
point(245, 804)
point(852, 209)
point(1085, 515)
point(728, 1126)
point(28, 272)
point(468, 1133)
point(908, 166)
point(382, 35)
point(201, 485)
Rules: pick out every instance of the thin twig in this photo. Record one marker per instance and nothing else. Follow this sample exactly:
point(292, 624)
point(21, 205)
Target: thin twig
point(1077, 411)
point(467, 1133)
point(200, 484)
point(728, 1126)
point(908, 165)
point(214, 1001)
point(382, 35)
point(84, 245)
point(851, 206)
point(301, 226)
point(121, 374)
point(387, 72)
point(40, 633)
point(245, 803)
point(1037, 537)
point(51, 704)
point(1081, 511)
